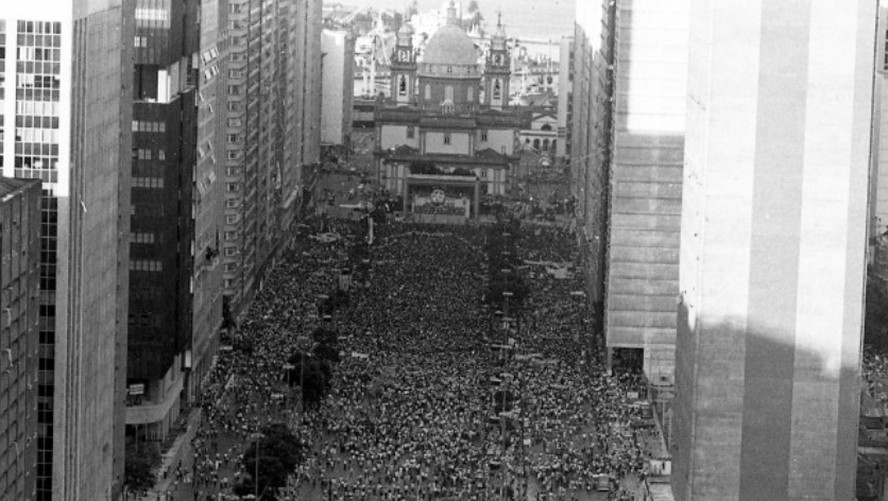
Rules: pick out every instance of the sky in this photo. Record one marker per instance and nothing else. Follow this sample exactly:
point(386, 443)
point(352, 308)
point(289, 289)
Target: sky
point(539, 19)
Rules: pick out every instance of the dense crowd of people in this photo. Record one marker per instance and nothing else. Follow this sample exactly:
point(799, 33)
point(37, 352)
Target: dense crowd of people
point(412, 413)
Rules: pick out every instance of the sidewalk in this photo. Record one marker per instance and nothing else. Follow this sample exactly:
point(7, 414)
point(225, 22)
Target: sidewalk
point(179, 451)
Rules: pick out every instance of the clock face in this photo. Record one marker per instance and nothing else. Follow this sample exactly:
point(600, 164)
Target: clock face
point(498, 60)
point(438, 197)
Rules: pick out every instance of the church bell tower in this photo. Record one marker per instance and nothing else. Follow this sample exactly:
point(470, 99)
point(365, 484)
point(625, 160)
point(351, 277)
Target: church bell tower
point(498, 69)
point(403, 67)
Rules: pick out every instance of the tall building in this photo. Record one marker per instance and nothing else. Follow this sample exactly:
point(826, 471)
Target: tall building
point(165, 151)
point(208, 194)
point(565, 96)
point(272, 132)
point(774, 233)
point(590, 130)
point(19, 277)
point(338, 69)
point(67, 95)
point(444, 113)
point(637, 150)
point(879, 182)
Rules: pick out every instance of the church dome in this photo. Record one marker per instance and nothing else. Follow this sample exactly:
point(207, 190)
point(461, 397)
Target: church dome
point(450, 45)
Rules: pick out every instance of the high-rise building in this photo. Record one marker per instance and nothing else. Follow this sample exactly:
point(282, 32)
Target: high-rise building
point(272, 129)
point(637, 150)
point(774, 234)
point(590, 126)
point(879, 182)
point(165, 151)
point(565, 96)
point(338, 69)
point(66, 104)
point(208, 193)
point(19, 278)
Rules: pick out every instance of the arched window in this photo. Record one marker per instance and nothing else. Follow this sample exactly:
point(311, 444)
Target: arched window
point(554, 142)
point(428, 91)
point(546, 127)
point(536, 144)
point(497, 89)
point(546, 144)
point(402, 86)
point(448, 93)
point(470, 95)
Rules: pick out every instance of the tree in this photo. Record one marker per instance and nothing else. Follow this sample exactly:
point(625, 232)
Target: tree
point(142, 459)
point(876, 314)
point(315, 377)
point(424, 167)
point(280, 451)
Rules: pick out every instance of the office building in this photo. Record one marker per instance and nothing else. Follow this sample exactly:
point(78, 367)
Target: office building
point(337, 91)
point(273, 128)
point(565, 96)
point(774, 234)
point(19, 303)
point(591, 87)
point(879, 182)
point(165, 151)
point(66, 104)
point(629, 164)
point(208, 195)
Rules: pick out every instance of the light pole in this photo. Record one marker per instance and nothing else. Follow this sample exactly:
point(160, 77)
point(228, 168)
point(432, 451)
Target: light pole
point(256, 437)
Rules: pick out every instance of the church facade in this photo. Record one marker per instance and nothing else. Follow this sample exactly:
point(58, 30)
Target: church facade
point(449, 113)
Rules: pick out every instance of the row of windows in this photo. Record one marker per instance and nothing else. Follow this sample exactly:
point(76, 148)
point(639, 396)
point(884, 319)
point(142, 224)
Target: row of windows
point(142, 238)
point(27, 81)
point(38, 108)
point(32, 94)
point(39, 27)
point(146, 265)
point(147, 182)
point(148, 126)
point(36, 162)
point(146, 154)
point(39, 122)
point(32, 135)
point(38, 54)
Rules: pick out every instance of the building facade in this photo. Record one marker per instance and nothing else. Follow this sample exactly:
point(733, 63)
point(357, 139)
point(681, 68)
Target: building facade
point(20, 279)
point(590, 130)
point(337, 90)
point(272, 132)
point(628, 162)
point(448, 110)
point(566, 71)
point(67, 95)
point(774, 234)
point(208, 201)
point(879, 182)
point(165, 152)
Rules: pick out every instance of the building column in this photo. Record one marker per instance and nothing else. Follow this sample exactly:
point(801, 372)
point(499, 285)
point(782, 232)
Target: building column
point(773, 246)
point(477, 205)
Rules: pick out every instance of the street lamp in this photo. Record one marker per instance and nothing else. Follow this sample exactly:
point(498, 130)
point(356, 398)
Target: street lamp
point(256, 437)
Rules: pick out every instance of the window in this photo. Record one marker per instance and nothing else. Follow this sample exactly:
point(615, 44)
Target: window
point(147, 182)
point(230, 251)
point(428, 91)
point(402, 86)
point(146, 265)
point(497, 89)
point(144, 154)
point(483, 173)
point(450, 69)
point(230, 267)
point(232, 187)
point(233, 138)
point(142, 238)
point(234, 89)
point(231, 219)
point(161, 154)
point(140, 41)
point(230, 235)
point(232, 154)
point(446, 138)
point(232, 202)
point(483, 136)
point(411, 132)
point(448, 93)
point(470, 94)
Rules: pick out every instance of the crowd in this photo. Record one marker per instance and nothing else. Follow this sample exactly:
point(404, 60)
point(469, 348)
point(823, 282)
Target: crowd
point(412, 414)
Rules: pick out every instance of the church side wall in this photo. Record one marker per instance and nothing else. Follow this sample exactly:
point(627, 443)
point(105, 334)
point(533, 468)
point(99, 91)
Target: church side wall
point(459, 143)
point(393, 136)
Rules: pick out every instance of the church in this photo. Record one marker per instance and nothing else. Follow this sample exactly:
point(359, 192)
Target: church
point(447, 127)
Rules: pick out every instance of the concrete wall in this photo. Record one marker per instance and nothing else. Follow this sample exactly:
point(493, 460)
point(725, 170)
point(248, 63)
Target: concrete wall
point(338, 48)
point(498, 140)
point(645, 179)
point(392, 136)
point(774, 229)
point(434, 143)
point(879, 206)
